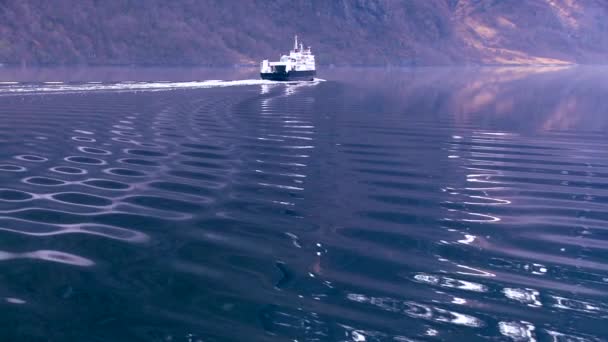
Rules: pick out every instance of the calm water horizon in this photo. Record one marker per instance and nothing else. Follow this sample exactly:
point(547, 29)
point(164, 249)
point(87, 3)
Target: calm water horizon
point(374, 204)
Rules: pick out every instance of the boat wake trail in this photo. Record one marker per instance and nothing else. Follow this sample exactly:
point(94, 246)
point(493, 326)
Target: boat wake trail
point(9, 88)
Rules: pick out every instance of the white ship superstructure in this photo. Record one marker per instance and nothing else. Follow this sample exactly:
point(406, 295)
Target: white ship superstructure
point(298, 65)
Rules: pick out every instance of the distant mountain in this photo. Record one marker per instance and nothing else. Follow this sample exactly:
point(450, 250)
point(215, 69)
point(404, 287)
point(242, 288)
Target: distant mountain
point(341, 32)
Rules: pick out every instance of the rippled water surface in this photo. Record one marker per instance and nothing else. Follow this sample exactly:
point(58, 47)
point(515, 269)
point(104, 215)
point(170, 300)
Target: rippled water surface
point(371, 205)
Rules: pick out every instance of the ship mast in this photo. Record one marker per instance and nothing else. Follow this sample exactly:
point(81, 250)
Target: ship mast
point(295, 44)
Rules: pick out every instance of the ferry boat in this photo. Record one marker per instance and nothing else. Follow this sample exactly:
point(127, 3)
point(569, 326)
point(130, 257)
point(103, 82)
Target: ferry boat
point(299, 65)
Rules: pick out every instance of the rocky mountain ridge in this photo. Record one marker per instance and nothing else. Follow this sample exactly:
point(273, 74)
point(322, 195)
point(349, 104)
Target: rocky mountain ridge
point(341, 32)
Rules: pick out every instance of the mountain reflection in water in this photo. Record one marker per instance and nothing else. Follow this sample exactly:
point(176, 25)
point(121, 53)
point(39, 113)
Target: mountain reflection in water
point(374, 205)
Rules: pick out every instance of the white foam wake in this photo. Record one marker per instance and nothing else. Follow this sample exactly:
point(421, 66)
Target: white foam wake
point(60, 87)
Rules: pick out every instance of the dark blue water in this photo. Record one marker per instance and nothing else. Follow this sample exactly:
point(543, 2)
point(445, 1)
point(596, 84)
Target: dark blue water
point(377, 205)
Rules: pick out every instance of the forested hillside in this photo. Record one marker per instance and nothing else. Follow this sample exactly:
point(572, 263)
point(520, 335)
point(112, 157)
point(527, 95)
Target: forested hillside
point(341, 32)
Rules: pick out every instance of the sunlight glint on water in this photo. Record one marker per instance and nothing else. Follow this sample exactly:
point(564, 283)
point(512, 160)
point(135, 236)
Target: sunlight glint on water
point(379, 205)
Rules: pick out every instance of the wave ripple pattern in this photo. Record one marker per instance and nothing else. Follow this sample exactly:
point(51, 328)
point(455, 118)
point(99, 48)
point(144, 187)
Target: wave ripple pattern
point(424, 205)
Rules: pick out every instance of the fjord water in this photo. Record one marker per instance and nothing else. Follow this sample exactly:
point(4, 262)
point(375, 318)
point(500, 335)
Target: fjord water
point(376, 205)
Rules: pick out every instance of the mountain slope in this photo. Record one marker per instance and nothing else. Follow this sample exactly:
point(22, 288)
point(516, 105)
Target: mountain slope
point(342, 32)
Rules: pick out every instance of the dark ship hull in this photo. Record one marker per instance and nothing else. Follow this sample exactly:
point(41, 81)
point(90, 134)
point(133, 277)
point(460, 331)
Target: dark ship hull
point(307, 75)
